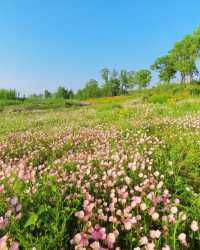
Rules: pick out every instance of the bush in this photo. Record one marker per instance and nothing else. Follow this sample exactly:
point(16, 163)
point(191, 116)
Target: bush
point(158, 99)
point(195, 91)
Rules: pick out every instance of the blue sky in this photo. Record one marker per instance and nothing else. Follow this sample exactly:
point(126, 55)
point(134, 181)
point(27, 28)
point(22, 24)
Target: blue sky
point(46, 43)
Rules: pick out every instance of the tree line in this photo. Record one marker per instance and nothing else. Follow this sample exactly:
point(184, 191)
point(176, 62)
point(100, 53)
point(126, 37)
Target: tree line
point(115, 83)
point(179, 62)
point(9, 94)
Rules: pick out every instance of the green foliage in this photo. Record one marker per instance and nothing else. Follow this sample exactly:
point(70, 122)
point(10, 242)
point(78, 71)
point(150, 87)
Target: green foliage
point(63, 93)
point(184, 55)
point(165, 66)
point(48, 220)
point(158, 99)
point(142, 78)
point(47, 94)
point(8, 94)
point(180, 59)
point(58, 140)
point(90, 90)
point(114, 83)
point(112, 87)
point(105, 74)
point(126, 81)
point(8, 102)
point(195, 91)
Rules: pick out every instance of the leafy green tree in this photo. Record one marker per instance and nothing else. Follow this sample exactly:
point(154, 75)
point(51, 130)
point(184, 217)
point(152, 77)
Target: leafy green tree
point(124, 78)
point(70, 94)
point(181, 58)
point(115, 83)
point(106, 89)
point(115, 86)
point(62, 93)
point(91, 90)
point(196, 41)
point(165, 66)
point(9, 94)
point(131, 77)
point(142, 78)
point(111, 86)
point(184, 55)
point(105, 74)
point(80, 94)
point(47, 94)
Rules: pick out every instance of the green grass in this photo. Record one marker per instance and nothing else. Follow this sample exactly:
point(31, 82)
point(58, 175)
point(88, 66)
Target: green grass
point(55, 151)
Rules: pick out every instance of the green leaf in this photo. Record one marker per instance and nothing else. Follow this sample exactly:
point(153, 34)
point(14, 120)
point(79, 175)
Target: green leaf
point(31, 220)
point(18, 186)
point(53, 188)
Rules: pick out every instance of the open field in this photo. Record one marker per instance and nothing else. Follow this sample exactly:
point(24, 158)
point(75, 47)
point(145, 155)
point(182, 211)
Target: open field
point(122, 173)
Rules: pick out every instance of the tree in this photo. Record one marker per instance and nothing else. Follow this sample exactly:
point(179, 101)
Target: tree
point(115, 87)
point(105, 74)
point(124, 78)
point(62, 93)
point(181, 58)
point(9, 94)
point(90, 90)
point(184, 54)
point(165, 66)
point(47, 94)
point(111, 86)
point(132, 83)
point(196, 40)
point(70, 94)
point(142, 78)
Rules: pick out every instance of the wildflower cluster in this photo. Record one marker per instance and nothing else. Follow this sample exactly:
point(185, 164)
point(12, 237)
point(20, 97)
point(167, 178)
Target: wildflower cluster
point(95, 187)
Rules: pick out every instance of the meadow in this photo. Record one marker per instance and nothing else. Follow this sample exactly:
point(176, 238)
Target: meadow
point(120, 173)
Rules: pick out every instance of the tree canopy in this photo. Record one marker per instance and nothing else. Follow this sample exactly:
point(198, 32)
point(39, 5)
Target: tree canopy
point(181, 59)
point(142, 78)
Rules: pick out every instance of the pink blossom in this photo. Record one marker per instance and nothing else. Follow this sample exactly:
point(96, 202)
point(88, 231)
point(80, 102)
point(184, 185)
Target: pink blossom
point(98, 233)
point(14, 201)
point(182, 239)
point(111, 238)
point(166, 247)
point(80, 239)
point(194, 226)
point(14, 245)
point(80, 214)
point(1, 188)
point(155, 234)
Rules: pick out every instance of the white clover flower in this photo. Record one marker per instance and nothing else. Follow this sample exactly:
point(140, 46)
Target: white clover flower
point(143, 240)
point(194, 226)
point(155, 216)
point(174, 210)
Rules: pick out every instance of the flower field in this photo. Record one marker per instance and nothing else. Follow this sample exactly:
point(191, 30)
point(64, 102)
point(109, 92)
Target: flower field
point(122, 174)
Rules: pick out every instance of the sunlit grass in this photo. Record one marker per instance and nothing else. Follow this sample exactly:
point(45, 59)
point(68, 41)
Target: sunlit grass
point(121, 173)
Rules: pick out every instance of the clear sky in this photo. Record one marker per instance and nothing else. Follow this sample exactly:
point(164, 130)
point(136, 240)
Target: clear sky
point(46, 43)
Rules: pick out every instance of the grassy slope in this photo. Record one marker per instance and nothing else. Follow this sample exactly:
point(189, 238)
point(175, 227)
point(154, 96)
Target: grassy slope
point(170, 113)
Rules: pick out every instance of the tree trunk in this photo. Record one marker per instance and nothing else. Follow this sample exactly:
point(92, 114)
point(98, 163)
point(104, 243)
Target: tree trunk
point(182, 78)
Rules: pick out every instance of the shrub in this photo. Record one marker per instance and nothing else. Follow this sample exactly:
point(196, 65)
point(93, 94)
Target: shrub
point(195, 91)
point(158, 99)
